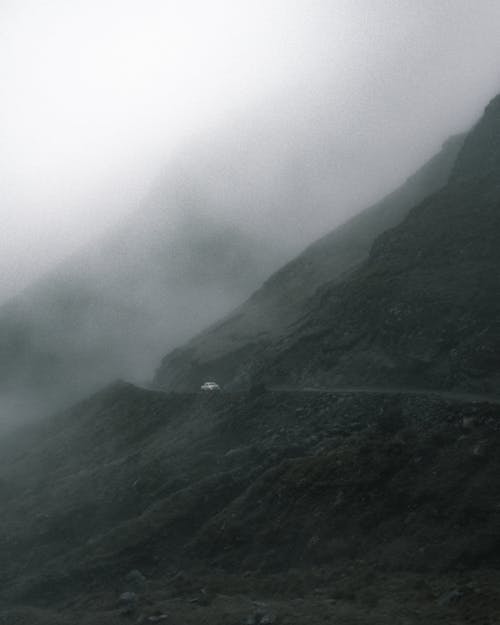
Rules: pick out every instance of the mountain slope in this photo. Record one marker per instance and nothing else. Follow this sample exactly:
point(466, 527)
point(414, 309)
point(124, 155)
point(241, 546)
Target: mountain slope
point(227, 350)
point(271, 496)
point(114, 309)
point(291, 506)
point(424, 309)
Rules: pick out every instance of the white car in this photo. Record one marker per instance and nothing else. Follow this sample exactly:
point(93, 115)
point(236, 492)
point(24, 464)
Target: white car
point(210, 386)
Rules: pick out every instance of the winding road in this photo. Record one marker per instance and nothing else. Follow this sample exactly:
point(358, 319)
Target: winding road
point(459, 396)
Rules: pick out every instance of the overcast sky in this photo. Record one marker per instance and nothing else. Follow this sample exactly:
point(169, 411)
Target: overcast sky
point(98, 97)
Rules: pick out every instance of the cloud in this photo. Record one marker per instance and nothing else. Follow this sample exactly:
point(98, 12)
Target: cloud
point(98, 97)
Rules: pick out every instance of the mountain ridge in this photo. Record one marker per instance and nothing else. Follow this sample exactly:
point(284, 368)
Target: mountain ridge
point(256, 324)
point(291, 506)
point(424, 308)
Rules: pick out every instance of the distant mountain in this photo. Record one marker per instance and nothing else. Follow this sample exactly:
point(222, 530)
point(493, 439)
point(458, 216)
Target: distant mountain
point(114, 309)
point(232, 350)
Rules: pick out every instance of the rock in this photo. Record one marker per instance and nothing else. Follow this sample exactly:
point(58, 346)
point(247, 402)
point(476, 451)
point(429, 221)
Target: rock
point(479, 450)
point(468, 423)
point(449, 597)
point(126, 598)
point(156, 618)
point(260, 617)
point(135, 580)
point(128, 602)
point(205, 598)
point(238, 454)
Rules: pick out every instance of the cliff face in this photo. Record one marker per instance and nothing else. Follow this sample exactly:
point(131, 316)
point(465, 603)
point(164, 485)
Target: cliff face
point(424, 309)
point(233, 348)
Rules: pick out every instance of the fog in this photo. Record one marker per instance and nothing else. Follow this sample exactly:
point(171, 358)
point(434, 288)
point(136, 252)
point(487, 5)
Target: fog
point(152, 150)
point(97, 98)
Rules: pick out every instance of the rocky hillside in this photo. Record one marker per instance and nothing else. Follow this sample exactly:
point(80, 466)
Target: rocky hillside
point(229, 349)
point(424, 309)
point(295, 507)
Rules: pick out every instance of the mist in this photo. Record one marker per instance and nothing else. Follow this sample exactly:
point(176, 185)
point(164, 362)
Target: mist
point(98, 98)
point(159, 162)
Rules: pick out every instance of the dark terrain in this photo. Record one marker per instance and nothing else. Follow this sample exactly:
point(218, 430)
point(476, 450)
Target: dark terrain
point(423, 309)
point(374, 503)
point(231, 348)
point(319, 506)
